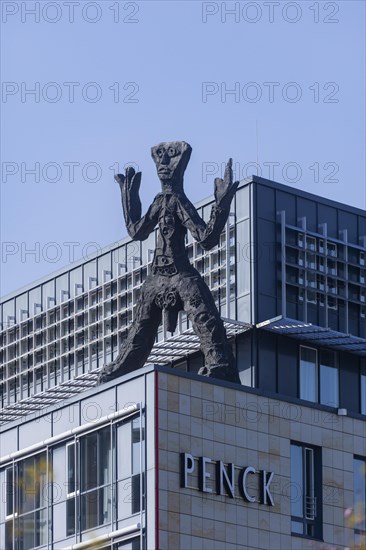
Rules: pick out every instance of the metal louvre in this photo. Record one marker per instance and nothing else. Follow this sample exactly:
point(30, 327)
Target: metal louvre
point(165, 352)
point(182, 344)
point(314, 334)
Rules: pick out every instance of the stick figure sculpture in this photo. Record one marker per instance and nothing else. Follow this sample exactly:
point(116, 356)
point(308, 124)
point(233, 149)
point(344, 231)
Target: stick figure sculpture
point(174, 284)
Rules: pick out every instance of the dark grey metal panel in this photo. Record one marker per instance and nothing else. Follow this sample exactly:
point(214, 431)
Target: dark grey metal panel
point(362, 226)
point(328, 215)
point(349, 382)
point(266, 204)
point(287, 202)
point(266, 284)
point(267, 361)
point(287, 376)
point(347, 220)
point(307, 208)
point(244, 358)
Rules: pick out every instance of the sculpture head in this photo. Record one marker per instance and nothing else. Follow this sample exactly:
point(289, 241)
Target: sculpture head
point(171, 159)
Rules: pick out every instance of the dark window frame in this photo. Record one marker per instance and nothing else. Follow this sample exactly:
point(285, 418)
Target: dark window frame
point(312, 505)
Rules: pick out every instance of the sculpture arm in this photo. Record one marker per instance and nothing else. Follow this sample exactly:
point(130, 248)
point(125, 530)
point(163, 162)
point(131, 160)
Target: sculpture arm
point(208, 235)
point(139, 228)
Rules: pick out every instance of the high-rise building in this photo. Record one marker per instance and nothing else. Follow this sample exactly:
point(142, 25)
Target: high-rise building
point(164, 458)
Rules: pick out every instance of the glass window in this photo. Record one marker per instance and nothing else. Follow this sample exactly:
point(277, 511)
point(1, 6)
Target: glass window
point(62, 288)
point(11, 505)
point(305, 490)
point(130, 464)
point(242, 203)
point(308, 374)
point(311, 243)
point(363, 390)
point(48, 295)
point(76, 281)
point(104, 268)
point(35, 300)
point(119, 265)
point(331, 249)
point(8, 314)
point(27, 502)
point(71, 471)
point(90, 275)
point(22, 311)
point(319, 376)
point(93, 467)
point(359, 519)
point(131, 544)
point(329, 379)
point(137, 466)
point(95, 470)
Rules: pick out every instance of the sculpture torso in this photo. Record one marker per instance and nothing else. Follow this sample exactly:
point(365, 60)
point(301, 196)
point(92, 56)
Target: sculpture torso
point(170, 254)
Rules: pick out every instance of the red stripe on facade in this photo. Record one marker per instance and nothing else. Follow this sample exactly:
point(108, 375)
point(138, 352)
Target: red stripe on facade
point(156, 461)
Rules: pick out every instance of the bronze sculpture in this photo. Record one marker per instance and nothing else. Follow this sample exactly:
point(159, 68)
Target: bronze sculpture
point(174, 283)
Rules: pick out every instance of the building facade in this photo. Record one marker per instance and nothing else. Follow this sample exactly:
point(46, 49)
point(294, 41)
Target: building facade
point(163, 458)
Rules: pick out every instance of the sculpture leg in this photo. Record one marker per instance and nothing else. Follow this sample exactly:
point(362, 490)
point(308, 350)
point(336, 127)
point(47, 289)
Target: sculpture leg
point(140, 338)
point(207, 324)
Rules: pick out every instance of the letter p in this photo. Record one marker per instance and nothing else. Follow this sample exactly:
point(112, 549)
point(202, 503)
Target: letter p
point(8, 88)
point(8, 249)
point(186, 467)
point(8, 8)
point(8, 169)
point(209, 88)
point(209, 8)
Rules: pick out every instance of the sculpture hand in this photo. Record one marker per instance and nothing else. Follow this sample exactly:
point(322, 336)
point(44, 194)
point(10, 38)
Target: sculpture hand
point(132, 180)
point(130, 185)
point(225, 188)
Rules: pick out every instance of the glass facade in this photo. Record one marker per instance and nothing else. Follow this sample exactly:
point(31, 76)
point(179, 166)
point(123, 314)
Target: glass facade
point(74, 486)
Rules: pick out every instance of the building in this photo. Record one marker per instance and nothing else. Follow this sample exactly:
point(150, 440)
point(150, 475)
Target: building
point(163, 458)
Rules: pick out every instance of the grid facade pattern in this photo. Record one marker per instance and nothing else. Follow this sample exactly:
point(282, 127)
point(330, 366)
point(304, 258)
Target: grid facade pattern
point(76, 322)
point(324, 279)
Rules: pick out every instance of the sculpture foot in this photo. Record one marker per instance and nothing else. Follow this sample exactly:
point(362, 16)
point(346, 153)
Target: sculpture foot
point(221, 372)
point(112, 371)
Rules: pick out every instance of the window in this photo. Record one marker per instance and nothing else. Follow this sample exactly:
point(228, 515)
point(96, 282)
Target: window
point(332, 249)
point(306, 516)
point(332, 302)
point(311, 243)
point(308, 374)
point(319, 376)
point(363, 390)
point(359, 477)
point(329, 390)
point(91, 489)
point(130, 468)
point(26, 503)
point(71, 488)
point(137, 457)
point(11, 494)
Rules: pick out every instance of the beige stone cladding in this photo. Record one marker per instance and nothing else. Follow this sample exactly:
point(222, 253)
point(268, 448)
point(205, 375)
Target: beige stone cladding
point(246, 428)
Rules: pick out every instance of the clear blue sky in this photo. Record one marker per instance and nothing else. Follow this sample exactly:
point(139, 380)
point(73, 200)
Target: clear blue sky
point(161, 55)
